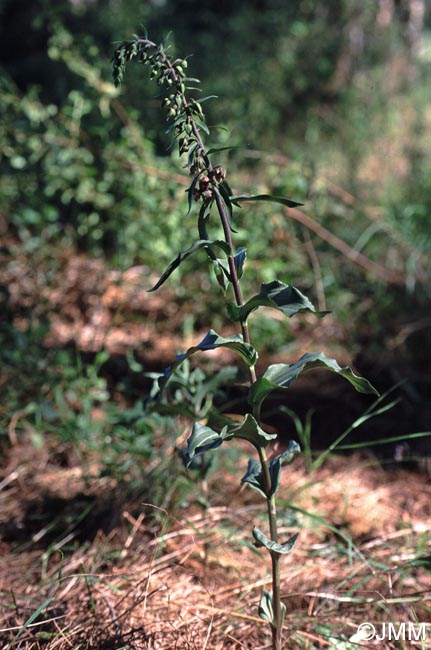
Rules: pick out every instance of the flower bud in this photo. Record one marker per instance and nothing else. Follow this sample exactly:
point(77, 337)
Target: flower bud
point(219, 173)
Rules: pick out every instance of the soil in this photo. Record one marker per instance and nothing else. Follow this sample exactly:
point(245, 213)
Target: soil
point(85, 564)
point(91, 307)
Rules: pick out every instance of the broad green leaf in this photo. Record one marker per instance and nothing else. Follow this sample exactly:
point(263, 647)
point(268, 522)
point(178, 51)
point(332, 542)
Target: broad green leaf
point(202, 243)
point(235, 342)
point(202, 439)
point(281, 375)
point(265, 609)
point(254, 475)
point(249, 430)
point(224, 191)
point(288, 455)
point(261, 540)
point(278, 295)
point(265, 197)
point(275, 464)
point(180, 119)
point(212, 341)
point(239, 260)
point(204, 215)
point(201, 124)
point(222, 274)
point(227, 187)
point(191, 153)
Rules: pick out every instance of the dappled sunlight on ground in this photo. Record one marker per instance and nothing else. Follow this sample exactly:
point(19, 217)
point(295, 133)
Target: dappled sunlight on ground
point(109, 571)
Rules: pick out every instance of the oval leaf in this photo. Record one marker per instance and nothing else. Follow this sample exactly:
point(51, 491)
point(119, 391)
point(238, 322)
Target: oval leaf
point(212, 341)
point(204, 215)
point(249, 430)
point(254, 475)
point(239, 260)
point(191, 193)
point(201, 124)
point(222, 274)
point(281, 375)
point(284, 297)
point(223, 194)
point(275, 464)
point(202, 439)
point(265, 609)
point(261, 540)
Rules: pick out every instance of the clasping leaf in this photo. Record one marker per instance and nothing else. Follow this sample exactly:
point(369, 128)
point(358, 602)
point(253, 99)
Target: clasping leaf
point(278, 295)
point(273, 547)
point(266, 609)
point(254, 475)
point(281, 375)
point(212, 341)
point(202, 439)
point(249, 430)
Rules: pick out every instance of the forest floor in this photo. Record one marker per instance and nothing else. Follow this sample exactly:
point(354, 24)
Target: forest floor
point(83, 566)
point(86, 564)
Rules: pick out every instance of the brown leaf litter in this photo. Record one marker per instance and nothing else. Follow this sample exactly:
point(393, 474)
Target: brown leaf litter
point(155, 579)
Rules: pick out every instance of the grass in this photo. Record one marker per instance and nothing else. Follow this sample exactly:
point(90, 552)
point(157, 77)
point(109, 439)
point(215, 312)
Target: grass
point(135, 580)
point(85, 563)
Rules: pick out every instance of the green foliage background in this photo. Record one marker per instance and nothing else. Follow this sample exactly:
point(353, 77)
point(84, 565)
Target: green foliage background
point(303, 79)
point(327, 102)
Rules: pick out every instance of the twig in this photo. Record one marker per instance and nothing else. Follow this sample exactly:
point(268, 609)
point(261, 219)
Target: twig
point(388, 275)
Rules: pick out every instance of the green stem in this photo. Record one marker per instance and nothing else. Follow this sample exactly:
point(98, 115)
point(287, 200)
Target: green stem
point(234, 275)
point(277, 627)
point(220, 207)
point(228, 238)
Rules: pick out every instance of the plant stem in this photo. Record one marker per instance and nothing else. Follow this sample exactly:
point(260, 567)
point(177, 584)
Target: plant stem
point(277, 623)
point(228, 238)
point(277, 627)
point(220, 207)
point(234, 276)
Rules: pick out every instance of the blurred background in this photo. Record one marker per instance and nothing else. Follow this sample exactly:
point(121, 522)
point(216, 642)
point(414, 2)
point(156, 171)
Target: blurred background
point(328, 104)
point(108, 542)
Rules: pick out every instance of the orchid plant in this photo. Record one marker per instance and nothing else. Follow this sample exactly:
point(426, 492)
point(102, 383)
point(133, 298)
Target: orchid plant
point(211, 192)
